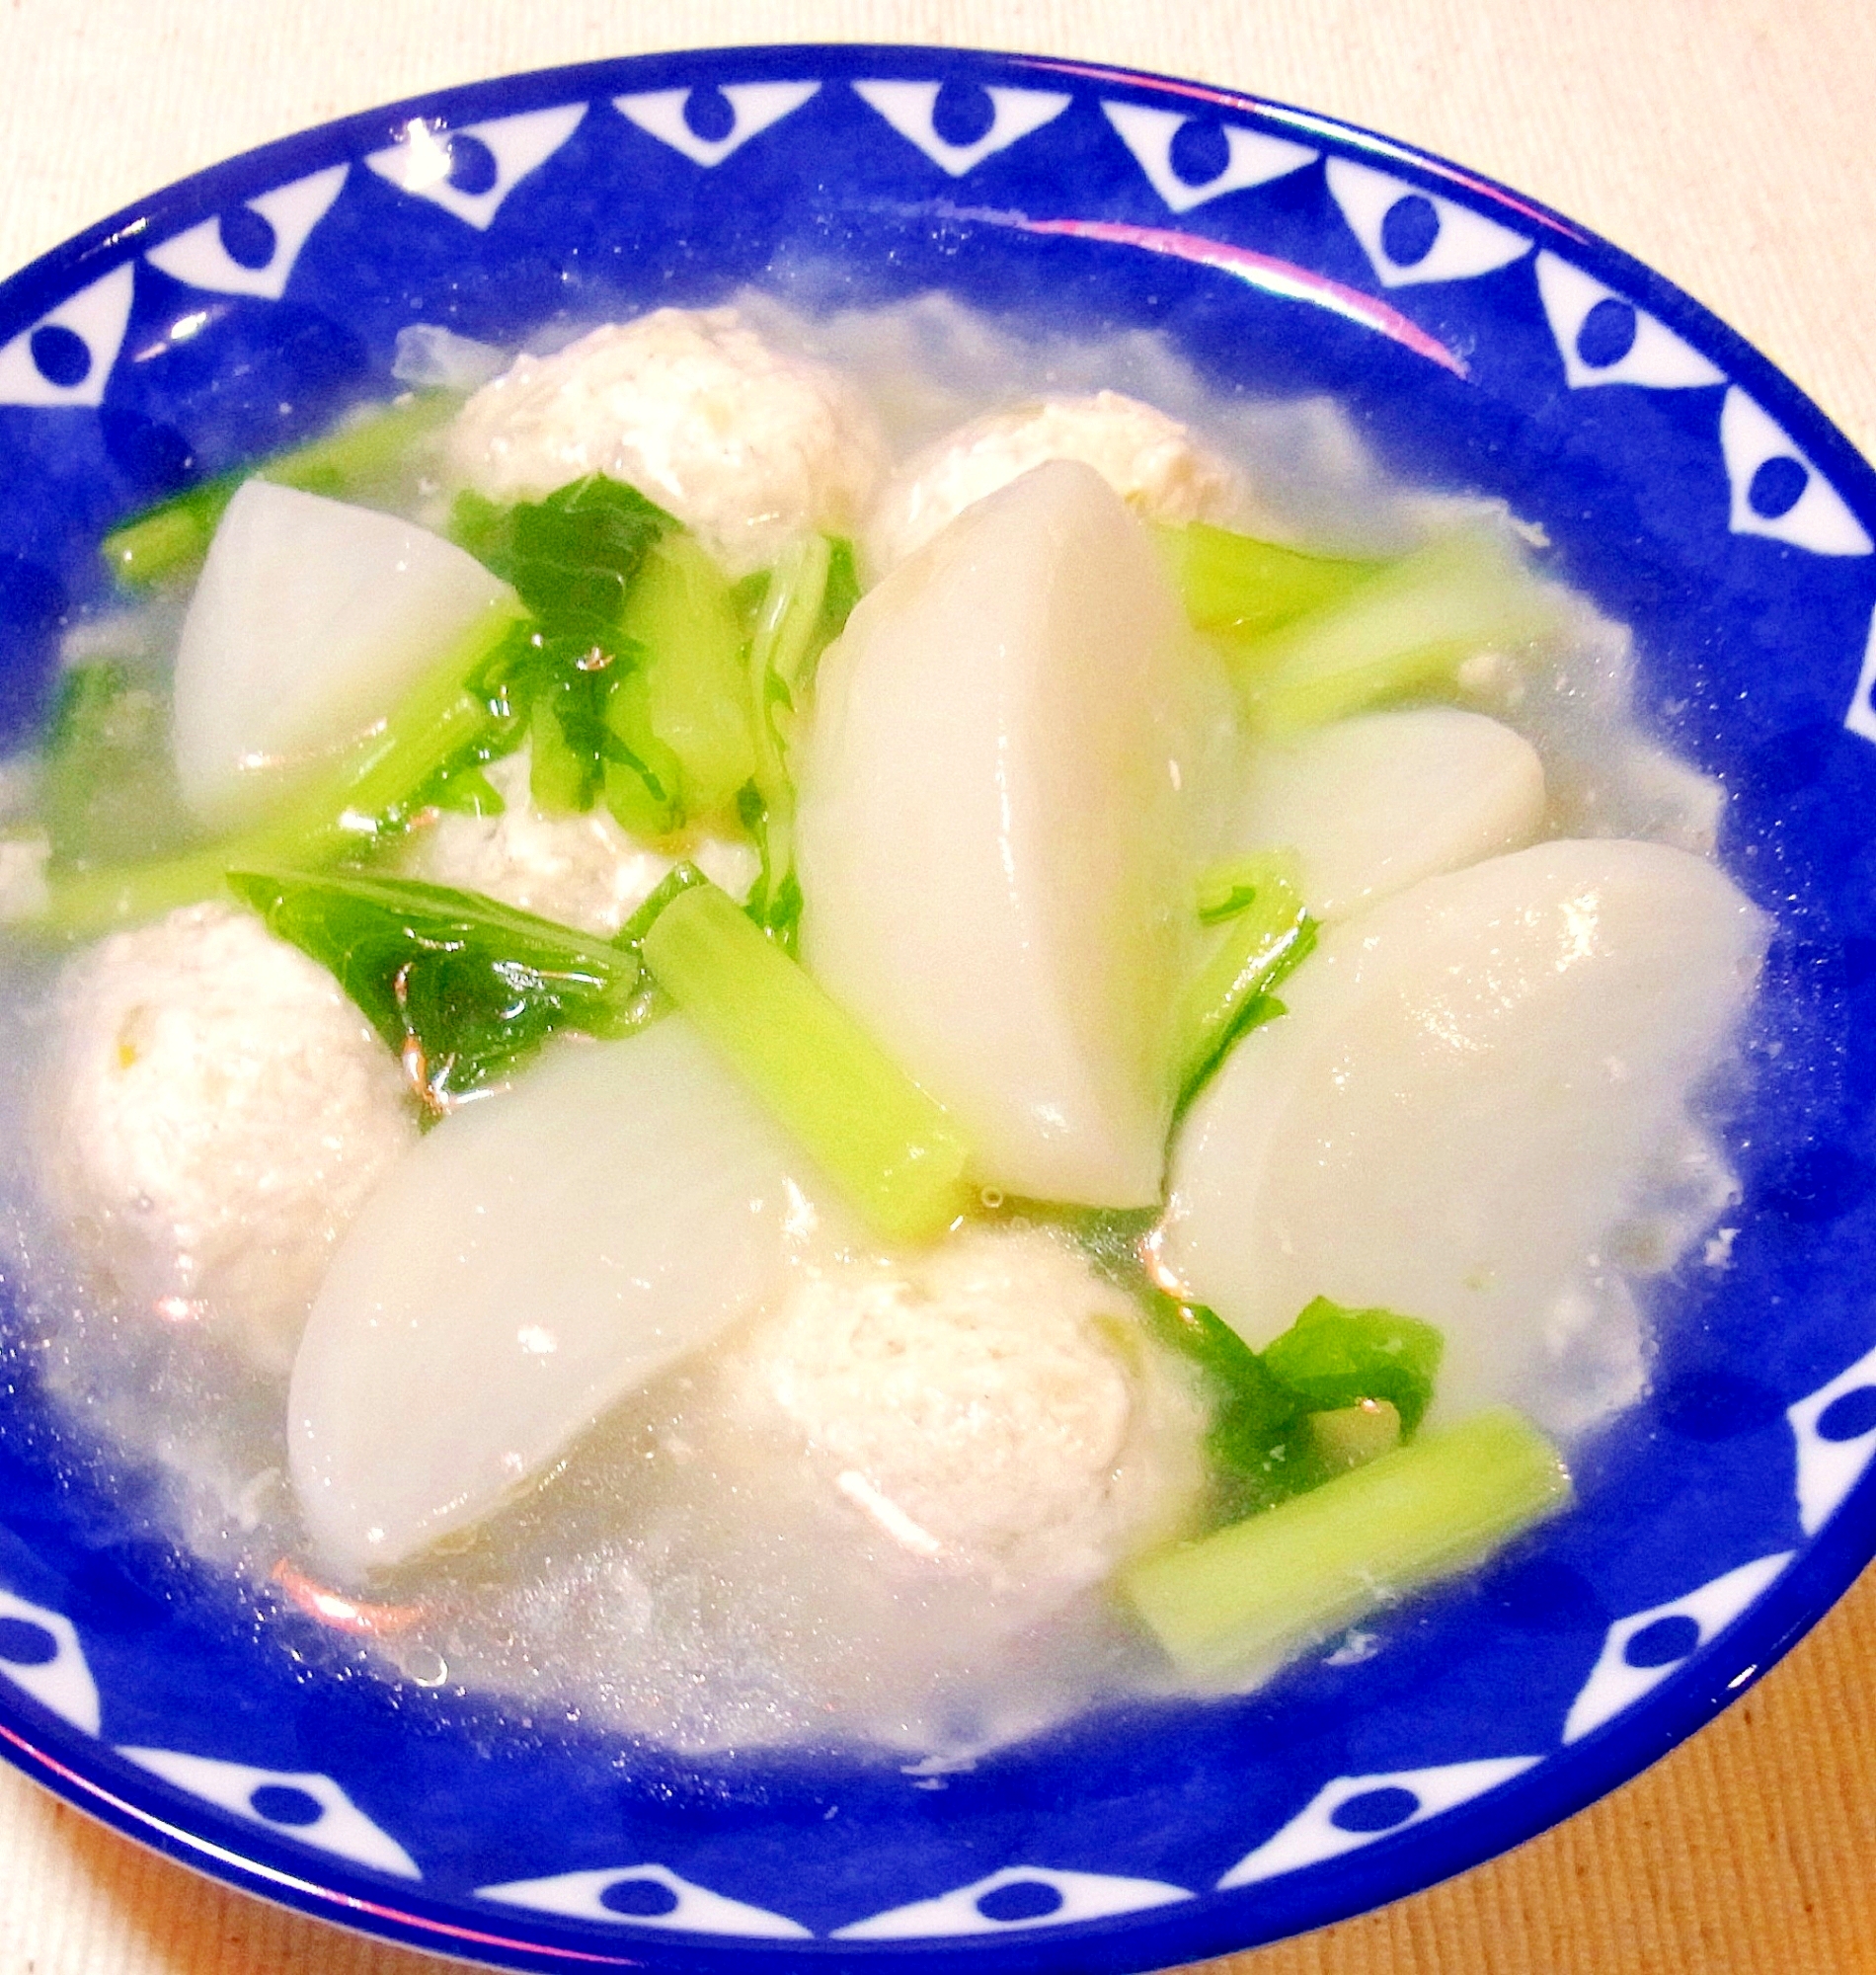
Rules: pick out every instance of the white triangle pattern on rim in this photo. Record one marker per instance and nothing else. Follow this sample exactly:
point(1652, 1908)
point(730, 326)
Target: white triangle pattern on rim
point(694, 1909)
point(97, 316)
point(198, 256)
point(1828, 1469)
point(1656, 356)
point(62, 1682)
point(1251, 157)
point(659, 114)
point(1614, 1684)
point(1079, 1896)
point(1861, 718)
point(339, 1826)
point(908, 108)
point(1463, 243)
point(1816, 519)
point(1313, 1835)
point(419, 162)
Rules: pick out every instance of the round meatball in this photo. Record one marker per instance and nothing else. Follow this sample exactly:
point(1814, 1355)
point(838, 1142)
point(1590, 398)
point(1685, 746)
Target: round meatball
point(744, 444)
point(217, 1111)
point(1150, 460)
point(584, 871)
point(987, 1402)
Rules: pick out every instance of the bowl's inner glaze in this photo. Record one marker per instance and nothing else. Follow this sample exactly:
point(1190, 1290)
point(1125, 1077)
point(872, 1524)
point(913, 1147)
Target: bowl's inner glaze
point(1478, 346)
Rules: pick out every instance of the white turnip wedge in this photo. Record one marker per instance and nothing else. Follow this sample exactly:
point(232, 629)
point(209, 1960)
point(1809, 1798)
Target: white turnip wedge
point(1465, 1096)
point(997, 828)
point(533, 1260)
point(311, 620)
point(1374, 804)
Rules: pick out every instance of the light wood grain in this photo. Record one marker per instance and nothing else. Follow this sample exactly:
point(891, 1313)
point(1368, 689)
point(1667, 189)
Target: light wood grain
point(1727, 144)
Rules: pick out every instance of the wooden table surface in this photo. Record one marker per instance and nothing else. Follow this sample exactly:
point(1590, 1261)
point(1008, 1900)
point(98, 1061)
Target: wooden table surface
point(1726, 142)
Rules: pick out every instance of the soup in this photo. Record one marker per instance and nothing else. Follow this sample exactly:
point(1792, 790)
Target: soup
point(846, 1032)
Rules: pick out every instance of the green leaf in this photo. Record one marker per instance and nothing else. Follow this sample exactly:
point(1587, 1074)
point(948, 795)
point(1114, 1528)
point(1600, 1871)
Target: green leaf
point(1333, 1357)
point(1255, 1448)
point(571, 558)
point(462, 988)
point(1261, 1445)
point(575, 559)
point(365, 450)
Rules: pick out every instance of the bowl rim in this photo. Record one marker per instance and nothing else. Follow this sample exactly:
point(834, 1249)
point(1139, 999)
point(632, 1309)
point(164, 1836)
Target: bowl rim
point(88, 1773)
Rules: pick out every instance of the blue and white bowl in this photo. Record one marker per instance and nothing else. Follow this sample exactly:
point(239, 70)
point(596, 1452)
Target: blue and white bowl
point(1480, 343)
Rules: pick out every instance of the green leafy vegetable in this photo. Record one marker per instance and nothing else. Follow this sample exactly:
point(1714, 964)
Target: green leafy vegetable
point(866, 1125)
point(574, 560)
point(1232, 1606)
point(1254, 1447)
point(572, 557)
point(1404, 629)
point(1333, 1357)
point(810, 593)
point(1238, 588)
point(1264, 933)
point(170, 539)
point(461, 987)
point(1263, 1446)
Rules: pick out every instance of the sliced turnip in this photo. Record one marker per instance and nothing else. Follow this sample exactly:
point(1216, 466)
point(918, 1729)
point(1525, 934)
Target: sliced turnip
point(1464, 1097)
point(1374, 803)
point(311, 620)
point(538, 1256)
point(996, 831)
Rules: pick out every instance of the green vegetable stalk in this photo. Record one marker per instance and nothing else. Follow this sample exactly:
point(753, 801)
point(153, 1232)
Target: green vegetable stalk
point(888, 1145)
point(1237, 587)
point(1233, 1605)
point(1265, 933)
point(1404, 629)
point(810, 593)
point(682, 616)
point(442, 728)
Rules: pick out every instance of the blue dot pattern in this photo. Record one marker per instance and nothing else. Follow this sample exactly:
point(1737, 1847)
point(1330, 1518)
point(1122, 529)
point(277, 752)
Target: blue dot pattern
point(1200, 151)
point(639, 1899)
point(281, 1803)
point(472, 166)
point(1020, 1899)
point(1664, 1642)
point(1375, 1810)
point(1409, 229)
point(24, 1644)
point(709, 115)
point(61, 354)
point(1850, 1416)
point(962, 113)
point(1607, 333)
point(1777, 487)
point(247, 237)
